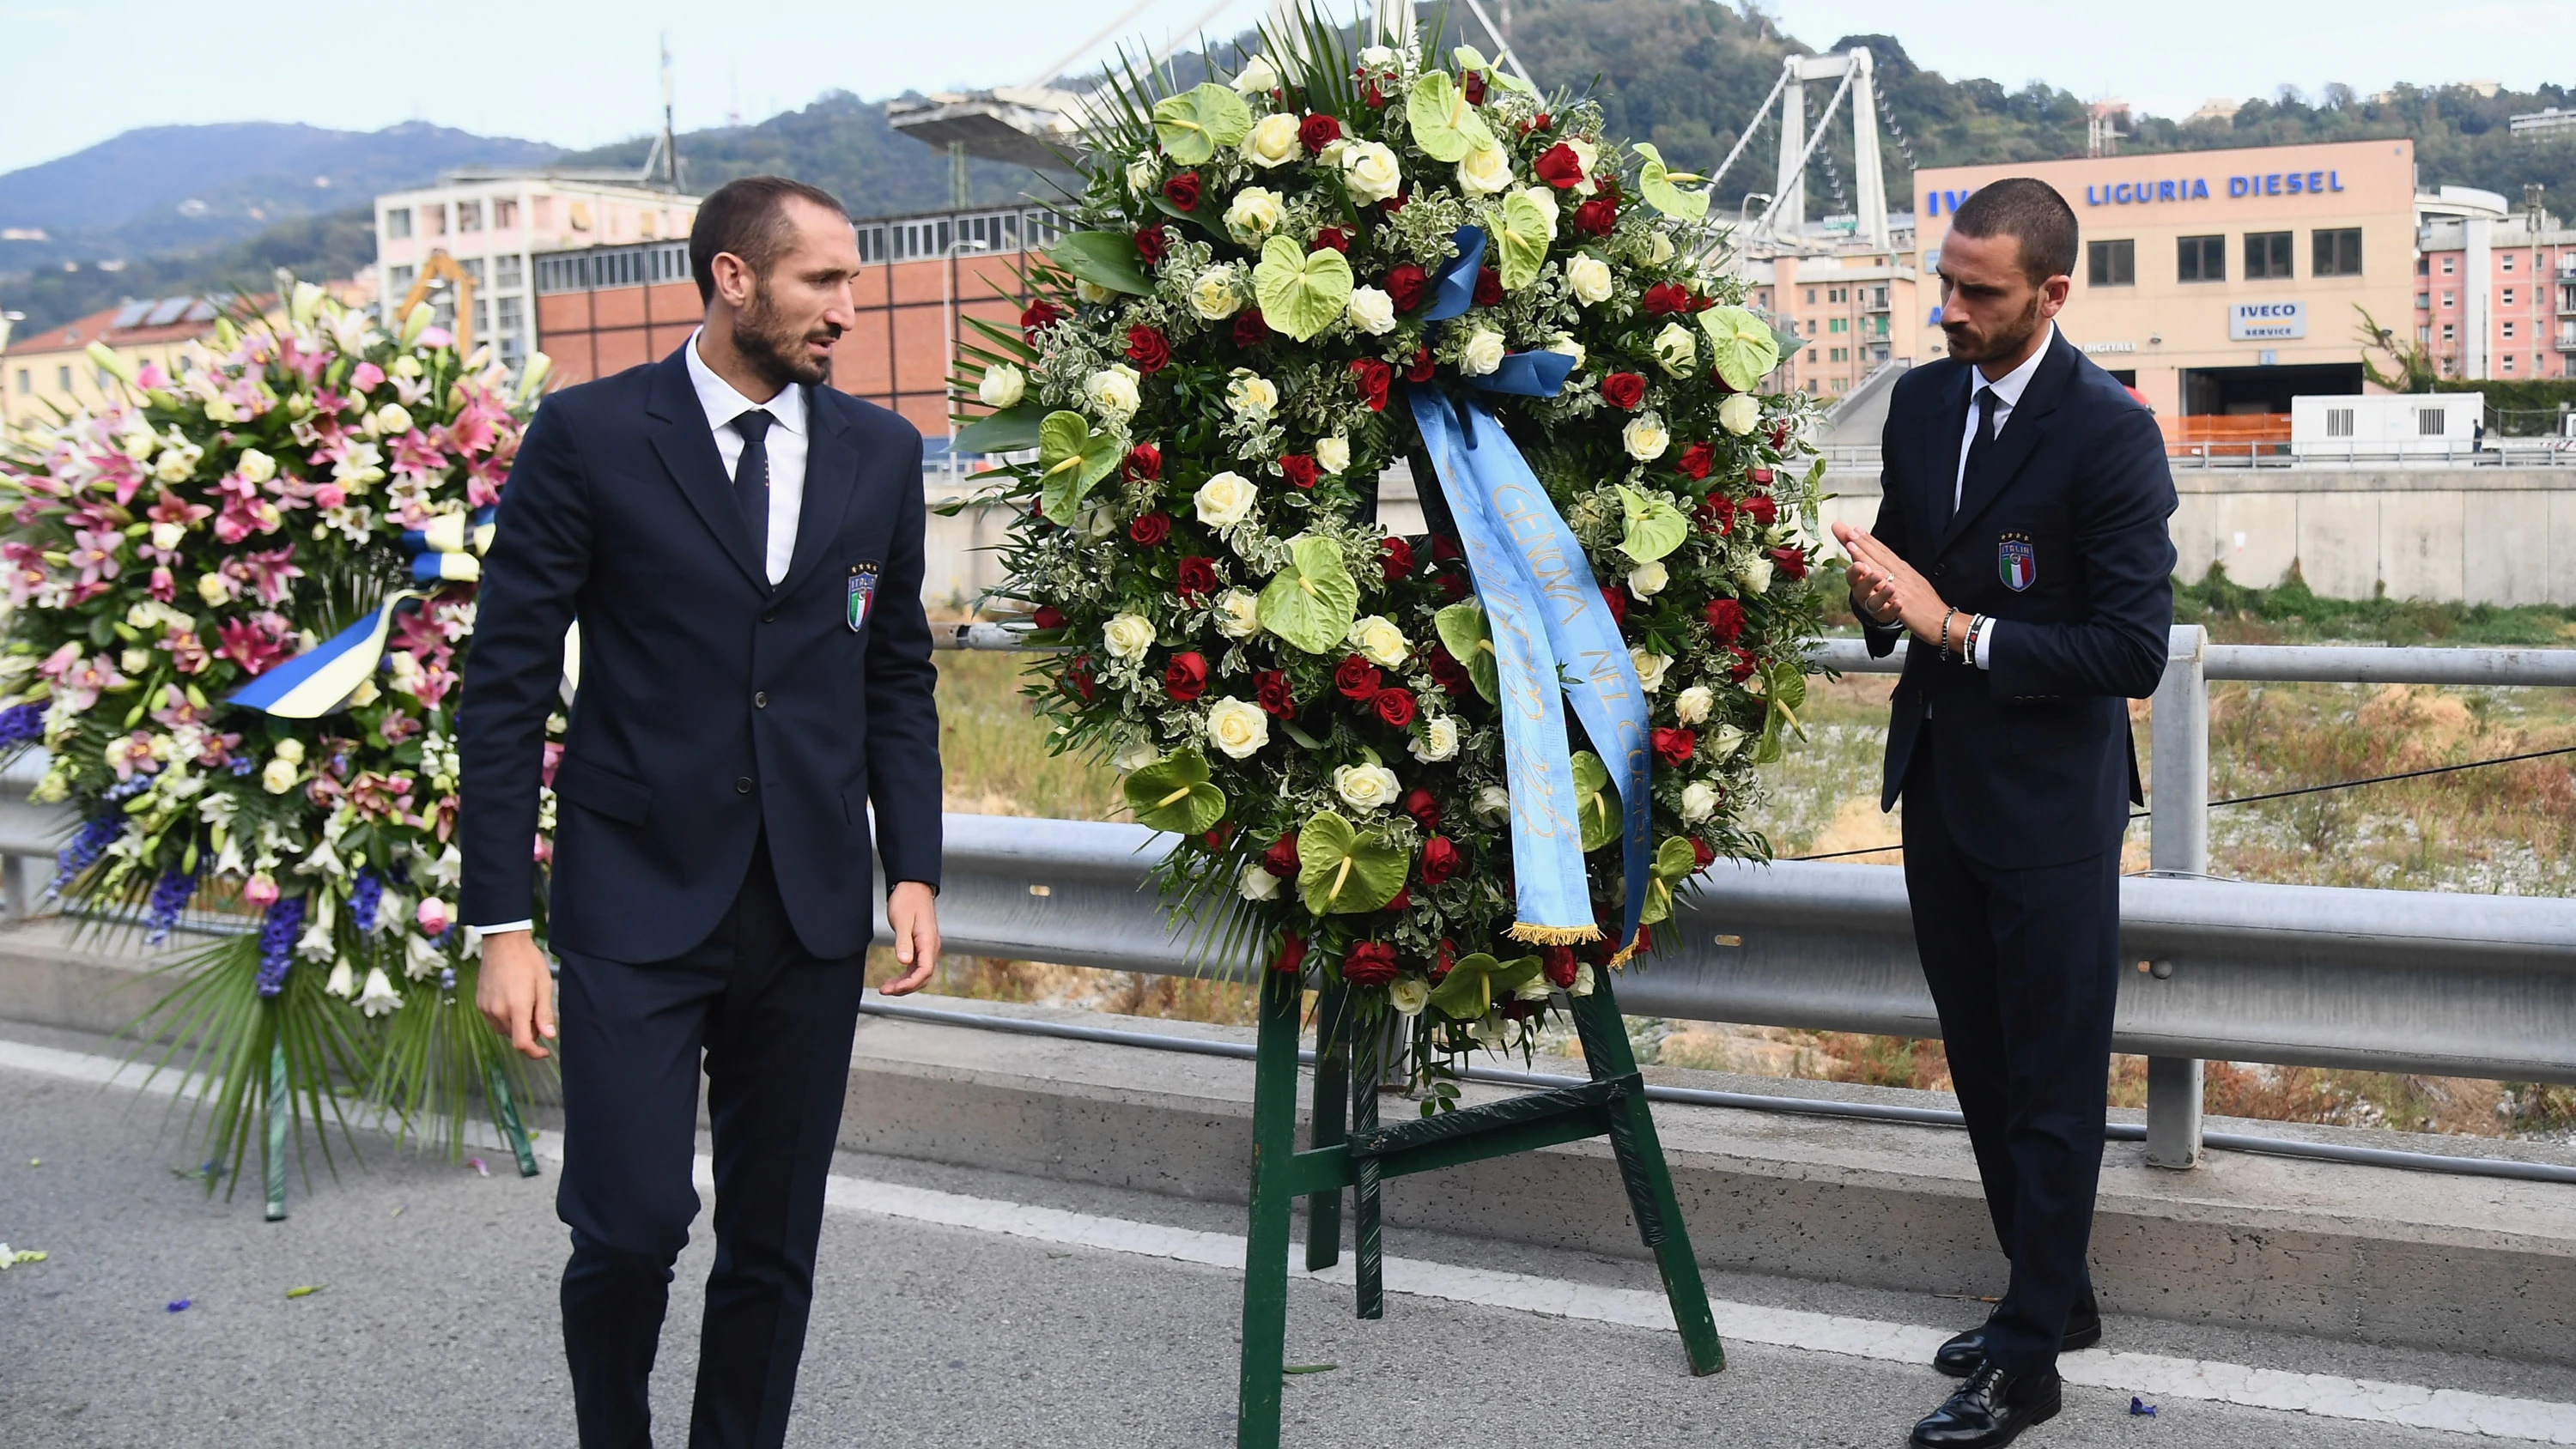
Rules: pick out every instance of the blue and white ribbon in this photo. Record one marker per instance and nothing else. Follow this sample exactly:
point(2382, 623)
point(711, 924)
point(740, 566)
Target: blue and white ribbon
point(1550, 627)
point(317, 681)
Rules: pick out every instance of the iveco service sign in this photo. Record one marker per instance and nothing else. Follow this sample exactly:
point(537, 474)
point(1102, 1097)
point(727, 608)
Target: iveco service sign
point(2266, 321)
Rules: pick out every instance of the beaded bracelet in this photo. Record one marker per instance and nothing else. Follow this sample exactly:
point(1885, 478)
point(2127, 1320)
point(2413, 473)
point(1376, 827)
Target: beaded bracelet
point(1945, 632)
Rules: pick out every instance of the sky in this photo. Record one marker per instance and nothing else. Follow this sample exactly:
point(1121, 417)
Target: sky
point(78, 72)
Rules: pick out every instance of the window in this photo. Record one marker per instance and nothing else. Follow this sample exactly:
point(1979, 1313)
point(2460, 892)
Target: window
point(506, 272)
point(26, 382)
point(2423, 301)
point(1878, 296)
point(2111, 263)
point(2508, 362)
point(433, 220)
point(2338, 253)
point(505, 215)
point(2267, 255)
point(2449, 265)
point(1839, 324)
point(2508, 330)
point(398, 222)
point(469, 216)
point(2449, 332)
point(2202, 259)
point(473, 268)
point(399, 279)
point(509, 314)
point(2449, 300)
point(1811, 296)
point(2507, 298)
point(2567, 299)
point(2423, 334)
point(1838, 294)
point(63, 379)
point(2508, 261)
point(2423, 266)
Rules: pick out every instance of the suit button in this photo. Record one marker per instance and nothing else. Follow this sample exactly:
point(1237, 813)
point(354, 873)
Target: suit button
point(760, 699)
point(742, 785)
point(770, 618)
point(1940, 570)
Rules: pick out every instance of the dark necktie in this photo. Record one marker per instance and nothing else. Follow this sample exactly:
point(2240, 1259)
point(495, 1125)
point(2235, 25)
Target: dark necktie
point(1978, 449)
point(751, 481)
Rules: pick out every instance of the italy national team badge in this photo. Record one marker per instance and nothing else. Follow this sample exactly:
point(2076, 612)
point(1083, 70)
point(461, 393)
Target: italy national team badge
point(2015, 562)
point(863, 591)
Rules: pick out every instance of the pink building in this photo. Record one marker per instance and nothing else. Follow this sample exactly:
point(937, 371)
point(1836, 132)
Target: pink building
point(2495, 296)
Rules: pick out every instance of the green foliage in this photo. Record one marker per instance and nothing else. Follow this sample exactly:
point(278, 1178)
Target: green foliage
point(1011, 430)
point(1104, 259)
point(2291, 613)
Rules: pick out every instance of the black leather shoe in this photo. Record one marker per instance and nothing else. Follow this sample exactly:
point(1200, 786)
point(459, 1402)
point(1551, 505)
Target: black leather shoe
point(1960, 1356)
point(1990, 1409)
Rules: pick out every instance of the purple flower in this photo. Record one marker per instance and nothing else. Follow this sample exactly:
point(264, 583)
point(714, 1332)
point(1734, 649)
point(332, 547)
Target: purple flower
point(169, 897)
point(365, 893)
point(20, 724)
point(277, 942)
point(84, 848)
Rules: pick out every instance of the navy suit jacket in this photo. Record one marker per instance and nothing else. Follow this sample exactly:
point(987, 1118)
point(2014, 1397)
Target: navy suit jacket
point(2036, 764)
point(712, 706)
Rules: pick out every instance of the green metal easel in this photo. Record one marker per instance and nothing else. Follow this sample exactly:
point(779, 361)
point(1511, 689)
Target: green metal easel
point(1613, 1103)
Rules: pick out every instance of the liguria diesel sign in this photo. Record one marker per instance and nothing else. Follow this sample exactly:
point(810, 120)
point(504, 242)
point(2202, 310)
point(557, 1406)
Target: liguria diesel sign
point(2181, 188)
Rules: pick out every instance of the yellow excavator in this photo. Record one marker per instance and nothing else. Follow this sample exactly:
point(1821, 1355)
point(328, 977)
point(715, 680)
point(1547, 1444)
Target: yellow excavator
point(443, 268)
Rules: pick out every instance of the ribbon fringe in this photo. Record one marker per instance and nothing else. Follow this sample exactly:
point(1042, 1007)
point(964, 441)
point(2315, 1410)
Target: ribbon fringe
point(1555, 935)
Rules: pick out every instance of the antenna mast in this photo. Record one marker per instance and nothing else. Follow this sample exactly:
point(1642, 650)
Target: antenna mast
point(670, 147)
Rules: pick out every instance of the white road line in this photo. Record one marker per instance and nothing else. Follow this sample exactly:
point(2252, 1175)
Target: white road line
point(2330, 1396)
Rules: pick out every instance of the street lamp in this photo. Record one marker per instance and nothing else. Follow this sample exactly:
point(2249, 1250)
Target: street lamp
point(957, 246)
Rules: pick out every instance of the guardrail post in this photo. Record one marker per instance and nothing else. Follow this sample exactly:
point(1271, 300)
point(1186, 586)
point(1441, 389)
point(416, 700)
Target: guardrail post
point(2178, 844)
point(13, 885)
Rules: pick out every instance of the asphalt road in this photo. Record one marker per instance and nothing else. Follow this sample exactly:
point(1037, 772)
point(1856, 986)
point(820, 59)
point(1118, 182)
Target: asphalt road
point(435, 1325)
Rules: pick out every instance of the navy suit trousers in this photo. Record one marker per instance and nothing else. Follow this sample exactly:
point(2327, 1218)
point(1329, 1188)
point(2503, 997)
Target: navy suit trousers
point(774, 1025)
point(2024, 969)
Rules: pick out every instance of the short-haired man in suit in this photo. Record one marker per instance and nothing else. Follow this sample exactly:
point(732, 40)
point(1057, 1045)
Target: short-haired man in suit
point(742, 544)
point(2021, 540)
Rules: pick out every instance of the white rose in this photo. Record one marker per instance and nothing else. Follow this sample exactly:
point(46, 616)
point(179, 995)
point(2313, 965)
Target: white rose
point(1238, 614)
point(1754, 574)
point(1370, 172)
point(1590, 155)
point(1214, 296)
point(1255, 212)
point(1140, 175)
point(1693, 704)
point(1086, 290)
point(1650, 668)
point(1372, 311)
point(1112, 390)
point(1379, 641)
point(1003, 386)
point(1645, 437)
point(1258, 77)
point(1588, 277)
point(1648, 579)
point(1729, 739)
point(1493, 805)
point(1097, 521)
point(1135, 757)
point(210, 587)
point(255, 466)
point(1662, 250)
point(1408, 995)
point(1224, 499)
point(1564, 342)
point(1238, 728)
point(1483, 352)
point(1257, 883)
point(1438, 740)
point(1582, 969)
point(1365, 788)
point(1272, 141)
point(278, 777)
point(1251, 395)
point(1544, 198)
point(1485, 171)
point(393, 420)
point(1128, 636)
point(168, 535)
point(1740, 414)
point(1677, 350)
point(1699, 801)
point(1377, 56)
point(1333, 454)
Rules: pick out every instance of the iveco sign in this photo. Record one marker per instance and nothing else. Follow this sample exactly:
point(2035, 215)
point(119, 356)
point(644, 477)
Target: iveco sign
point(2266, 321)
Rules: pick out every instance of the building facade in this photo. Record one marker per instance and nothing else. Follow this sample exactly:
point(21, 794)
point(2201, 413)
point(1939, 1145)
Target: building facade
point(1850, 305)
point(2495, 298)
point(49, 373)
point(2216, 282)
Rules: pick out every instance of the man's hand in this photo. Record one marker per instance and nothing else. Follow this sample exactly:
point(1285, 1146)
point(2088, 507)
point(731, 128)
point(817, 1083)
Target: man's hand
point(912, 911)
point(515, 993)
point(1887, 588)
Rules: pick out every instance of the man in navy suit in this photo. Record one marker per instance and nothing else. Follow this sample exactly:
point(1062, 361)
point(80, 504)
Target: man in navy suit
point(2021, 541)
point(742, 545)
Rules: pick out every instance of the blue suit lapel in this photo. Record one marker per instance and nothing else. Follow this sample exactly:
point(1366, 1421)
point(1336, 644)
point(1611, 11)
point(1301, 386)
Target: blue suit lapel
point(679, 434)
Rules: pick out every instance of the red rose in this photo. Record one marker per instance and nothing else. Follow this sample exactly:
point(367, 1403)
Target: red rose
point(1405, 286)
point(1472, 86)
point(1370, 963)
point(1761, 477)
point(1292, 954)
point(1401, 900)
point(1792, 562)
point(1717, 514)
point(1439, 860)
point(1395, 203)
point(1357, 679)
point(1444, 549)
point(1373, 377)
point(1597, 216)
point(1726, 620)
point(1764, 511)
point(1148, 349)
point(1251, 329)
point(1779, 435)
point(1197, 577)
point(1558, 963)
point(1542, 121)
point(1332, 238)
point(1623, 390)
point(1695, 461)
point(1395, 706)
point(1425, 810)
point(1420, 371)
point(1270, 686)
point(1701, 853)
point(1216, 839)
point(1665, 298)
point(1048, 616)
point(1617, 603)
point(1489, 287)
point(1144, 463)
point(1153, 243)
point(1182, 191)
point(1281, 858)
point(1742, 669)
point(1371, 95)
point(1446, 958)
point(1077, 677)
point(1037, 315)
point(1396, 559)
point(1559, 167)
point(1297, 468)
point(1150, 529)
point(1317, 132)
point(1448, 673)
point(1674, 747)
point(1185, 679)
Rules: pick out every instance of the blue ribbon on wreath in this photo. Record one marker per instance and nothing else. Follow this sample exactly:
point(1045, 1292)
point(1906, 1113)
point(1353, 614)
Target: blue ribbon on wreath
point(1551, 631)
point(315, 682)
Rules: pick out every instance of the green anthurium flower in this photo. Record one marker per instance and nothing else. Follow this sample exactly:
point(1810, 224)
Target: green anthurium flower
point(1596, 809)
point(1173, 794)
point(1655, 526)
point(1300, 292)
point(1342, 871)
point(1522, 242)
point(1195, 124)
point(1468, 991)
point(1741, 346)
point(1104, 259)
point(1074, 458)
point(1784, 691)
point(1444, 125)
point(1674, 861)
point(1662, 187)
point(1465, 633)
point(1312, 601)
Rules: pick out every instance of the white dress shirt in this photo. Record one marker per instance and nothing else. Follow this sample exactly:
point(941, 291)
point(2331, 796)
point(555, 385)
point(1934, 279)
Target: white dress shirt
point(2008, 390)
point(723, 404)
